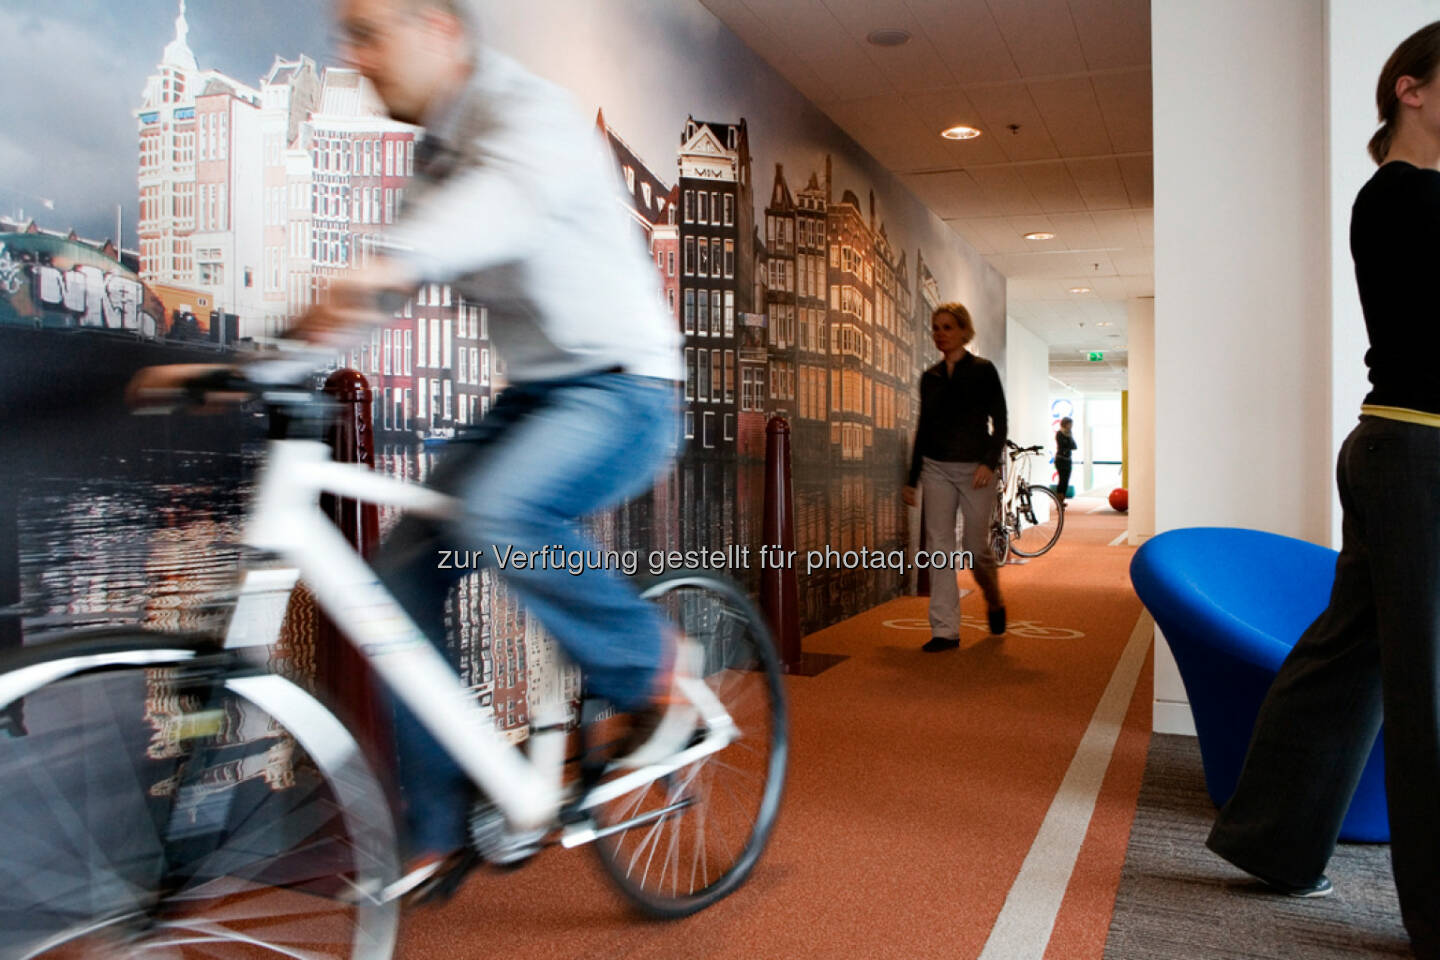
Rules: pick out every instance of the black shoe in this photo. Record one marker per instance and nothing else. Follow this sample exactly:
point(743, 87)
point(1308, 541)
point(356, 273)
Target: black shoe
point(997, 620)
point(937, 644)
point(1320, 888)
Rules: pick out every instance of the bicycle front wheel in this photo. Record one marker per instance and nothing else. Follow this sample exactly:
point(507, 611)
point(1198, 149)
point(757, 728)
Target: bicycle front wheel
point(1038, 524)
point(161, 802)
point(725, 804)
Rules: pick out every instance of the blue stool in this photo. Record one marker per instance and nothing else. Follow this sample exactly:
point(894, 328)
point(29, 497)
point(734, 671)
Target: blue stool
point(1231, 603)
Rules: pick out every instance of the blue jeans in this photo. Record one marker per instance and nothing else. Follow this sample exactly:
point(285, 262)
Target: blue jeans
point(547, 454)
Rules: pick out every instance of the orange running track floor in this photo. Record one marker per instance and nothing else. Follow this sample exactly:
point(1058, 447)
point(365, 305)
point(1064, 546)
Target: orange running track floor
point(918, 783)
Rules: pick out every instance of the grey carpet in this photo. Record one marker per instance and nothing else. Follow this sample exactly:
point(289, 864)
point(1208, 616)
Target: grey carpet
point(1178, 901)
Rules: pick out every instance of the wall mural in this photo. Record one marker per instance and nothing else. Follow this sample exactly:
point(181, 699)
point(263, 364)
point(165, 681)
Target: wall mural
point(801, 273)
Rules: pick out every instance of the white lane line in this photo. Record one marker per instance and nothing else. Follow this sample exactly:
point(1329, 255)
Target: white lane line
point(1120, 539)
point(1026, 921)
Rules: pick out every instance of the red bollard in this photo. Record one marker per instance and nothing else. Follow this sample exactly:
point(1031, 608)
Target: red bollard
point(341, 668)
point(779, 592)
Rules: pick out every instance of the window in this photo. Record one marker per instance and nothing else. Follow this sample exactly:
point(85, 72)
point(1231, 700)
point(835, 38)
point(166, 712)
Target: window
point(689, 373)
point(434, 341)
point(729, 313)
point(448, 357)
point(475, 366)
point(409, 361)
point(409, 158)
point(702, 368)
point(704, 207)
point(389, 158)
point(670, 298)
point(729, 378)
point(729, 210)
point(715, 313)
point(690, 311)
point(689, 206)
point(729, 256)
point(704, 257)
point(672, 263)
point(703, 327)
point(689, 425)
point(729, 426)
point(689, 256)
point(715, 360)
point(449, 404)
point(715, 207)
point(464, 367)
point(420, 338)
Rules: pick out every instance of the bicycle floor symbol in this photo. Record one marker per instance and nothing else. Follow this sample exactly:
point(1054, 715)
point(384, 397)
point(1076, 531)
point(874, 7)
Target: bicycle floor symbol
point(1020, 628)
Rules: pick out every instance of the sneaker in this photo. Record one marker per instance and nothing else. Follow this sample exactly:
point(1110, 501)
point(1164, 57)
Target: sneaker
point(997, 620)
point(662, 729)
point(937, 644)
point(1320, 888)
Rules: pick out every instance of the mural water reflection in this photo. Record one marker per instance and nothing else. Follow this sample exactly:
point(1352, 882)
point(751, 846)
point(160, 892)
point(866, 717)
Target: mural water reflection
point(154, 542)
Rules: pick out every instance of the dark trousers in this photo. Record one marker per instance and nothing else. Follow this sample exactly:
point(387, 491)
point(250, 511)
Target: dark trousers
point(1062, 467)
point(1373, 654)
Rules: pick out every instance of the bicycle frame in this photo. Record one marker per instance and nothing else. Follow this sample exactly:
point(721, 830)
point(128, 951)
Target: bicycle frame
point(287, 520)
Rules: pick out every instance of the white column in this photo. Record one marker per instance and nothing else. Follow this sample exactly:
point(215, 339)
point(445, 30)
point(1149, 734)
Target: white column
point(1140, 339)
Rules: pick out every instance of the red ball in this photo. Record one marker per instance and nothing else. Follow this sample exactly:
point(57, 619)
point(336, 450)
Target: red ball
point(1120, 499)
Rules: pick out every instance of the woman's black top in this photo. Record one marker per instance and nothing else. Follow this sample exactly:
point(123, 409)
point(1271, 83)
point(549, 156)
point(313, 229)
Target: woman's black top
point(957, 412)
point(1395, 240)
point(1064, 444)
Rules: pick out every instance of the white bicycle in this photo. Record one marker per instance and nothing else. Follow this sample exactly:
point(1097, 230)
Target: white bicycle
point(168, 796)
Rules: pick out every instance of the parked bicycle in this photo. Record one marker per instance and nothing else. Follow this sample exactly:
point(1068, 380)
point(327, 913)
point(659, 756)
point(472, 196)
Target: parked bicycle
point(1028, 517)
point(173, 796)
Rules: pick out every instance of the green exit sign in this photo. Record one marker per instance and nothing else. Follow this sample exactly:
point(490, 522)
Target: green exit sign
point(1096, 355)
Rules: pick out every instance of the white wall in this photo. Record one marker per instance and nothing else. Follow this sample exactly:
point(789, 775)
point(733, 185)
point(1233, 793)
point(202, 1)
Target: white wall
point(1027, 385)
point(1262, 113)
point(1360, 36)
point(1140, 334)
point(1241, 335)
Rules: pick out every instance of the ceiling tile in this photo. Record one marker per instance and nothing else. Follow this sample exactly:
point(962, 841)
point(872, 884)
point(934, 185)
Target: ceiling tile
point(1071, 114)
point(1075, 231)
point(1139, 176)
point(1008, 189)
point(766, 42)
point(953, 195)
point(1117, 229)
point(941, 109)
point(1040, 35)
point(1100, 183)
point(913, 66)
point(966, 38)
point(888, 127)
point(1006, 104)
point(1126, 103)
point(1113, 33)
point(817, 39)
point(1052, 187)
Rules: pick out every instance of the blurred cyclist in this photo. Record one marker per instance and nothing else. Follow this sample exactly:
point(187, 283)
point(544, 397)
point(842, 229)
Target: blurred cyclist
point(514, 203)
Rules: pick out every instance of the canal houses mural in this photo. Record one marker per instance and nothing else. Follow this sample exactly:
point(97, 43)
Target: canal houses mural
point(800, 273)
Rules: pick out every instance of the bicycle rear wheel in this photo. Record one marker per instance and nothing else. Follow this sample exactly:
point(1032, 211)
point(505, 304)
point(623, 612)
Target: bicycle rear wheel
point(687, 859)
point(161, 803)
point(1040, 518)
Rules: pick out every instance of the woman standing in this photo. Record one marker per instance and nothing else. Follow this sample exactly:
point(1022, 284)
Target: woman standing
point(958, 443)
point(1064, 446)
point(1375, 651)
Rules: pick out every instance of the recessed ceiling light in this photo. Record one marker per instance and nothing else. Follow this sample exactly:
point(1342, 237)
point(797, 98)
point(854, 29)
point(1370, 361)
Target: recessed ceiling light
point(888, 37)
point(1079, 289)
point(1040, 235)
point(960, 132)
point(1105, 323)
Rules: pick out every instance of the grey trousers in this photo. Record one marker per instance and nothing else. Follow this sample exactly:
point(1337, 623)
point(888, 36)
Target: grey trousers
point(1374, 653)
point(947, 489)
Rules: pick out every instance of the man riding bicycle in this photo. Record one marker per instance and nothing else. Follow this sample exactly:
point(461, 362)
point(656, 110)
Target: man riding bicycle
point(514, 203)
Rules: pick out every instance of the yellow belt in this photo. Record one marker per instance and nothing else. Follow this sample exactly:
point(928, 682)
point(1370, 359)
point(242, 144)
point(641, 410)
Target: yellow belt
point(1403, 414)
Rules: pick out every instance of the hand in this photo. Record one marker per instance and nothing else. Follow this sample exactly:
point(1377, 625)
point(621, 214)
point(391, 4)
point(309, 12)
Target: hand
point(908, 495)
point(983, 476)
point(352, 305)
point(166, 386)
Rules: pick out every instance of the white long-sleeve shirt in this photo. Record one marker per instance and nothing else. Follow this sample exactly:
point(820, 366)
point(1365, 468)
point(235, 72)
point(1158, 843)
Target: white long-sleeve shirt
point(521, 211)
